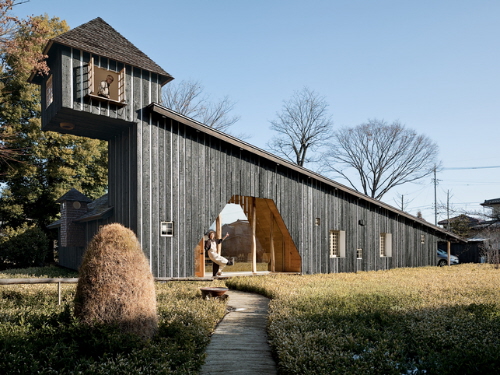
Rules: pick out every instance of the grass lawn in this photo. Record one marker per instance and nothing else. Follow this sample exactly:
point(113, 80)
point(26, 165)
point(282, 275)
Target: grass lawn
point(431, 320)
point(39, 337)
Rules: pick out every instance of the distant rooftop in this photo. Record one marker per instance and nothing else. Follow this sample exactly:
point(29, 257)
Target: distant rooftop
point(461, 218)
point(491, 202)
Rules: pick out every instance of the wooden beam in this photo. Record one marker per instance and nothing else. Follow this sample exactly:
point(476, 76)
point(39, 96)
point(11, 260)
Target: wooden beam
point(254, 239)
point(273, 261)
point(218, 233)
point(448, 248)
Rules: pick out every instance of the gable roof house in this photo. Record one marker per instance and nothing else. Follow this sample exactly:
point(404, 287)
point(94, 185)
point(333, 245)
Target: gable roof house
point(483, 236)
point(465, 226)
point(170, 176)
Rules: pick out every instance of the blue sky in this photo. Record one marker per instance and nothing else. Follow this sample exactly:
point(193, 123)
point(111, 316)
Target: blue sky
point(431, 64)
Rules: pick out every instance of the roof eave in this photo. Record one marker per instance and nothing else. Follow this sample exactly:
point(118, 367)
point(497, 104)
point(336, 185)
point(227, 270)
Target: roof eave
point(163, 111)
point(35, 78)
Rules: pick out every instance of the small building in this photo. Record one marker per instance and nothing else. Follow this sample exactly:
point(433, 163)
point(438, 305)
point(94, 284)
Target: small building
point(170, 176)
point(494, 205)
point(482, 236)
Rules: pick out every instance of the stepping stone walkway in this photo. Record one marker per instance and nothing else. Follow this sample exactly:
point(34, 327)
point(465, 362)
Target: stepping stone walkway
point(239, 344)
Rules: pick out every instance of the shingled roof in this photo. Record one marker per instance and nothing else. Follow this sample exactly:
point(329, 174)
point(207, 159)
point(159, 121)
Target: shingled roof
point(74, 195)
point(98, 209)
point(98, 37)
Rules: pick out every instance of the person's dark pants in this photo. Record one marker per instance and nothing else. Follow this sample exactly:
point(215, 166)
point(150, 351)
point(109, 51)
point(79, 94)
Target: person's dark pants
point(215, 269)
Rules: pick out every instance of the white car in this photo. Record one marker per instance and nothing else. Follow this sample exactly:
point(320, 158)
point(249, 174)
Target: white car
point(442, 258)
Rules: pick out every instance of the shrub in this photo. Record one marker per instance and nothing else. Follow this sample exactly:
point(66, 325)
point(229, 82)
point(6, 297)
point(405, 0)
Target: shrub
point(51, 271)
point(116, 286)
point(24, 246)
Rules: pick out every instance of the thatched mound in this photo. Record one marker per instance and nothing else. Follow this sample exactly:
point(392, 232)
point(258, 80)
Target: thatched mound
point(115, 284)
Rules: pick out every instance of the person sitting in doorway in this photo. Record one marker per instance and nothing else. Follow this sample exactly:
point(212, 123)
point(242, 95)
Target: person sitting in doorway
point(218, 260)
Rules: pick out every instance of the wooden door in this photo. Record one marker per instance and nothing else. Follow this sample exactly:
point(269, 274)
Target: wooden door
point(199, 259)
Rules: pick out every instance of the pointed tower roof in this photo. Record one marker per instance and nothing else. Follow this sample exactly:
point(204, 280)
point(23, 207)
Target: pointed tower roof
point(74, 195)
point(98, 37)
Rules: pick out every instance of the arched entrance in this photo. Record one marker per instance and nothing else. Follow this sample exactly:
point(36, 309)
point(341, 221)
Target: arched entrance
point(258, 239)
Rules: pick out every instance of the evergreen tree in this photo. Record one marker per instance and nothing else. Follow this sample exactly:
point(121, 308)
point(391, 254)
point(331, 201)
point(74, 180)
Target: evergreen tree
point(42, 166)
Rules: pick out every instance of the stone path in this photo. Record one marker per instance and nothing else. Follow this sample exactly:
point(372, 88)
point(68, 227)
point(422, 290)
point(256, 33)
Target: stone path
point(239, 344)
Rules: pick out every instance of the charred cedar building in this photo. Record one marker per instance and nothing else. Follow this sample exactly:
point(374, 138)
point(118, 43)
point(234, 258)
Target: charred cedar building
point(170, 176)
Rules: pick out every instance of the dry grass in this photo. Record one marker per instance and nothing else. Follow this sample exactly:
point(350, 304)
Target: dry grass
point(39, 337)
point(428, 320)
point(116, 286)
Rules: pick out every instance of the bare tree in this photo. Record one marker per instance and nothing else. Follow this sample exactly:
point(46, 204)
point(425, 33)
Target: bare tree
point(302, 126)
point(8, 23)
point(382, 156)
point(189, 99)
point(402, 203)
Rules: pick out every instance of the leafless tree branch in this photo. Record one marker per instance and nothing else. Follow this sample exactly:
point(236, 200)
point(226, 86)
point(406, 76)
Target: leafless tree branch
point(382, 156)
point(189, 99)
point(302, 126)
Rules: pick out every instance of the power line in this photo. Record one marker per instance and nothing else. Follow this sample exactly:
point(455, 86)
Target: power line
point(469, 183)
point(436, 182)
point(495, 166)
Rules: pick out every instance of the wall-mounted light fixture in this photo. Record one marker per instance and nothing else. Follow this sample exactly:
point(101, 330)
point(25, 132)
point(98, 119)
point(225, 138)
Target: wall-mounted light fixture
point(317, 222)
point(67, 125)
point(362, 223)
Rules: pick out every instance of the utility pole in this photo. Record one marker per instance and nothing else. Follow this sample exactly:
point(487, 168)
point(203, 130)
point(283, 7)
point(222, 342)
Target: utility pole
point(448, 209)
point(435, 198)
point(436, 182)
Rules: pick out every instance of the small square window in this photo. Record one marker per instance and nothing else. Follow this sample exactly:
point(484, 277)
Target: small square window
point(359, 253)
point(167, 228)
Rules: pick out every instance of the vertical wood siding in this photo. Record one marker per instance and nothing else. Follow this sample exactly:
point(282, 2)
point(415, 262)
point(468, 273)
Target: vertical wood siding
point(187, 177)
point(162, 170)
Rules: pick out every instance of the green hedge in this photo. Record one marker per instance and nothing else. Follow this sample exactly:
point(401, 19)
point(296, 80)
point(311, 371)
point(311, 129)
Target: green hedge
point(23, 247)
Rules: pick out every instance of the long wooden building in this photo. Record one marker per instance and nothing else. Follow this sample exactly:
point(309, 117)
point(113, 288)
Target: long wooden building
point(170, 176)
